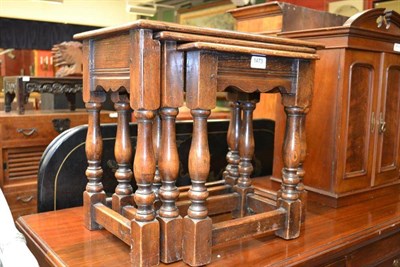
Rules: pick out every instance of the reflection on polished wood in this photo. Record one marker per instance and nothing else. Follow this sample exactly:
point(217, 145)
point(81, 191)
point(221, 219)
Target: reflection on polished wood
point(361, 235)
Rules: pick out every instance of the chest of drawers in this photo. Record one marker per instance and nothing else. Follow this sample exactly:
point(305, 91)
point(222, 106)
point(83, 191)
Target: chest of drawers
point(23, 138)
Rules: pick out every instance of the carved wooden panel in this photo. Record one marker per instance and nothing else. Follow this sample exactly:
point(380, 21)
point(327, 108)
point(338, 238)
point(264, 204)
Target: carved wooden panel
point(358, 119)
point(361, 77)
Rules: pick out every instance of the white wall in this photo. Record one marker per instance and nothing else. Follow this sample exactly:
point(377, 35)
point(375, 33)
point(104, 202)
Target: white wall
point(84, 12)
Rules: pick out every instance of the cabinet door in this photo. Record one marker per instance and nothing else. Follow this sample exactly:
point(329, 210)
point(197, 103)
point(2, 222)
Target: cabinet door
point(388, 160)
point(360, 80)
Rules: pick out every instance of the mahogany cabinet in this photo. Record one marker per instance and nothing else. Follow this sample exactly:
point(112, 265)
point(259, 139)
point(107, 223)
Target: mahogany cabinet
point(23, 138)
point(272, 18)
point(354, 119)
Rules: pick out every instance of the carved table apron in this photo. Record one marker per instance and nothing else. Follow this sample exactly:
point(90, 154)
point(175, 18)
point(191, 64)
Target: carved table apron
point(22, 86)
point(155, 68)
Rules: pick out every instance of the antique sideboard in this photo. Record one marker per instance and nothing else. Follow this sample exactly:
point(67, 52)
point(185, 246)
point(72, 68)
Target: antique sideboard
point(23, 140)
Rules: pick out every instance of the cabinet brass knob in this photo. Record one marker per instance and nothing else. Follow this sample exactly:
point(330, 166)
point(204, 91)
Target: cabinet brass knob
point(396, 263)
point(382, 123)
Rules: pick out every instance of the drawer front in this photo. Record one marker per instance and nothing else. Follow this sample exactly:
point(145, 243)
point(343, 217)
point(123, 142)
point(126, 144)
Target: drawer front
point(381, 251)
point(22, 199)
point(28, 128)
point(43, 126)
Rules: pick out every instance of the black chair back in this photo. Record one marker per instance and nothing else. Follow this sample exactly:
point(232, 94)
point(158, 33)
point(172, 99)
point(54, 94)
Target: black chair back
point(62, 180)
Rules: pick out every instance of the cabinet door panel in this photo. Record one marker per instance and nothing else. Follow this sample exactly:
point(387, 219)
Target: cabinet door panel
point(387, 168)
point(361, 77)
point(360, 81)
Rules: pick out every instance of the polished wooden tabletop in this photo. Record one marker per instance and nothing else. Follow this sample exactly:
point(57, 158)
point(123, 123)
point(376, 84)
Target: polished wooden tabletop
point(61, 237)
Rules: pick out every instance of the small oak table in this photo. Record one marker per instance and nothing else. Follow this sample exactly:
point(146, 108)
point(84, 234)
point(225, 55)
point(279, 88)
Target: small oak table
point(155, 68)
point(22, 86)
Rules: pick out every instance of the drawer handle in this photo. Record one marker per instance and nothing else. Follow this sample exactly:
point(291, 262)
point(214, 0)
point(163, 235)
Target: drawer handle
point(396, 263)
point(25, 199)
point(27, 132)
point(382, 124)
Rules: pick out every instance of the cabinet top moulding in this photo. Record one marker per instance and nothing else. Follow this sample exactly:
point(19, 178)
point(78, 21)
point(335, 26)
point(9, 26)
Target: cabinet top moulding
point(274, 17)
point(374, 29)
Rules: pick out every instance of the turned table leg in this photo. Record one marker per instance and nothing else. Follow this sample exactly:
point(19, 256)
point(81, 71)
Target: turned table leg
point(21, 97)
point(168, 215)
point(231, 173)
point(246, 152)
point(71, 98)
point(156, 147)
point(292, 154)
point(94, 148)
point(300, 171)
point(123, 154)
point(197, 225)
point(201, 94)
point(145, 230)
point(8, 99)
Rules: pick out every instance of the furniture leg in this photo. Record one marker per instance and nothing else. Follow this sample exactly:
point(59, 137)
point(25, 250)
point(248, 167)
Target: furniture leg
point(300, 171)
point(303, 194)
point(231, 173)
point(20, 97)
point(145, 231)
point(289, 196)
point(156, 147)
point(71, 100)
point(8, 99)
point(246, 152)
point(123, 154)
point(197, 226)
point(168, 215)
point(94, 148)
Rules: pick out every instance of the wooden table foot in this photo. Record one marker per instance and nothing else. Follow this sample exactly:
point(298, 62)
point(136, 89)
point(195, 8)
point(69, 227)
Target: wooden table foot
point(197, 237)
point(145, 247)
point(89, 199)
point(118, 202)
point(293, 219)
point(241, 210)
point(170, 239)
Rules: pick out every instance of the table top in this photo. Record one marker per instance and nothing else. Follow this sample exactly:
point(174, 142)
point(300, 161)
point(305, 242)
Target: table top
point(326, 234)
point(174, 27)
